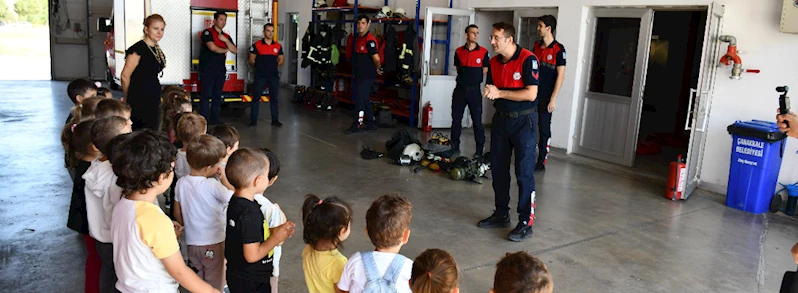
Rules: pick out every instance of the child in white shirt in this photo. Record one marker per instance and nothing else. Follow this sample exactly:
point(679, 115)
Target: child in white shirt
point(189, 127)
point(371, 268)
point(199, 201)
point(102, 193)
point(272, 213)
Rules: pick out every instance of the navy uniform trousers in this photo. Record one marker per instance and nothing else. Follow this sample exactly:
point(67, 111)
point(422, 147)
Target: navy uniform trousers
point(471, 96)
point(273, 83)
point(544, 119)
point(514, 133)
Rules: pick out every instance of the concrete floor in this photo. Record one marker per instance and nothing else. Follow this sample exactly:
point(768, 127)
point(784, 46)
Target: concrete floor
point(598, 230)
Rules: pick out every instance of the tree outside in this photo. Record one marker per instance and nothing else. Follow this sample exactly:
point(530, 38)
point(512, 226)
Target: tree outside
point(25, 40)
point(6, 14)
point(33, 11)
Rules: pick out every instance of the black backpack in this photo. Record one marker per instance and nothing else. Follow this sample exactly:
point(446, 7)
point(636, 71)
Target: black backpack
point(398, 142)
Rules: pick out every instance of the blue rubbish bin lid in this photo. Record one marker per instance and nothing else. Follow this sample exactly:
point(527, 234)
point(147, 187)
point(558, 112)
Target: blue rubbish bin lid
point(764, 130)
point(792, 190)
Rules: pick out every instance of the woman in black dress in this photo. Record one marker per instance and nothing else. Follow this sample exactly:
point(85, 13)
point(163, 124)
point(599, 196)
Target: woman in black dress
point(143, 62)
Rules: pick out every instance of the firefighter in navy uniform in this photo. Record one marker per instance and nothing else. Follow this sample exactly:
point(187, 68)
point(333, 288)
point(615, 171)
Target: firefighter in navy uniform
point(513, 86)
point(472, 63)
point(551, 55)
point(213, 53)
point(267, 56)
point(366, 67)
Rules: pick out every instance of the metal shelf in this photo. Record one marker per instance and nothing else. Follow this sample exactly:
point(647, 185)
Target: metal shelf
point(348, 8)
point(377, 81)
point(334, 20)
point(405, 21)
point(356, 9)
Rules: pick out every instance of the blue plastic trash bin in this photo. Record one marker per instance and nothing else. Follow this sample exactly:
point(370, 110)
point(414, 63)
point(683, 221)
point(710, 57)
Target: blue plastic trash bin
point(757, 150)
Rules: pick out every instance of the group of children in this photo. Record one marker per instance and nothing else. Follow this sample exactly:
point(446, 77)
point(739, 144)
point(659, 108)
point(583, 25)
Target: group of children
point(179, 207)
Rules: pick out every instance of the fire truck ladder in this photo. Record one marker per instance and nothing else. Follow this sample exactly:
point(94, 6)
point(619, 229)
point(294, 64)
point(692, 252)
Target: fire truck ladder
point(260, 13)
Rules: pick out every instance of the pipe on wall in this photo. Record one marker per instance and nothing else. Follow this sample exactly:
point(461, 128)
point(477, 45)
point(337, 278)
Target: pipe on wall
point(731, 57)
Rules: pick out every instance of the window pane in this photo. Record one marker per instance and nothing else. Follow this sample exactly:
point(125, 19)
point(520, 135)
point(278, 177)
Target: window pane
point(456, 38)
point(528, 32)
point(614, 56)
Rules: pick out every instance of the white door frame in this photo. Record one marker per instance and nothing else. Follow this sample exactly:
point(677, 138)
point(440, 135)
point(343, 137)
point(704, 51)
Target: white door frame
point(293, 72)
point(437, 89)
point(632, 124)
point(700, 108)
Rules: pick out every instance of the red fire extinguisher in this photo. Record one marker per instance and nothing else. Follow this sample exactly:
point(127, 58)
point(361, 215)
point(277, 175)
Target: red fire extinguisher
point(426, 119)
point(676, 180)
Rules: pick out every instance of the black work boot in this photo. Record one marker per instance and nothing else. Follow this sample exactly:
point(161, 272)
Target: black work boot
point(353, 129)
point(521, 232)
point(540, 167)
point(479, 152)
point(495, 221)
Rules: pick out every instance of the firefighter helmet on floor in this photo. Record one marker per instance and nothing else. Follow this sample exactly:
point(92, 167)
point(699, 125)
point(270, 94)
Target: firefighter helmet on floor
point(414, 151)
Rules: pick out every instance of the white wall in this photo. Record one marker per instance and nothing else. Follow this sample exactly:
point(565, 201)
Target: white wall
point(756, 26)
point(753, 97)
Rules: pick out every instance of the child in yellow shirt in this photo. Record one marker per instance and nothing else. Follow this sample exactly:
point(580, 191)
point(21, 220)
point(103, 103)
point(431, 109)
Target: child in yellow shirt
point(327, 224)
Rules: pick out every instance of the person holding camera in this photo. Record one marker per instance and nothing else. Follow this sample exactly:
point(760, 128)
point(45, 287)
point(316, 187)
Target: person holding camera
point(785, 121)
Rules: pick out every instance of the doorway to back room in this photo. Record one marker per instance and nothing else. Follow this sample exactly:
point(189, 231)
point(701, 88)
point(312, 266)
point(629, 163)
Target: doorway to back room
point(24, 40)
point(671, 86)
point(649, 90)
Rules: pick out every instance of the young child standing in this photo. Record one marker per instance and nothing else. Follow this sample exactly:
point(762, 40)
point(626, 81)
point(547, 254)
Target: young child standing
point(521, 272)
point(189, 127)
point(248, 252)
point(326, 225)
point(229, 136)
point(388, 227)
point(175, 101)
point(145, 239)
point(273, 214)
point(102, 194)
point(83, 149)
point(105, 92)
point(434, 271)
point(79, 113)
point(85, 110)
point(199, 200)
point(80, 89)
point(112, 107)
